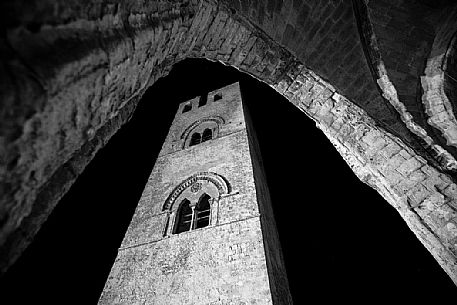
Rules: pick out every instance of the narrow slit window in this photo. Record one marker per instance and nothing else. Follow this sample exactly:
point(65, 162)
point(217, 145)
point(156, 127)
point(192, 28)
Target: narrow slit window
point(195, 139)
point(218, 96)
point(185, 215)
point(207, 135)
point(203, 212)
point(187, 108)
point(202, 101)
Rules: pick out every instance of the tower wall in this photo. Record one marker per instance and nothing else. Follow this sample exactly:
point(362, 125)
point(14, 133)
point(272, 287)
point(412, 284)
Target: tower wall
point(223, 263)
point(279, 283)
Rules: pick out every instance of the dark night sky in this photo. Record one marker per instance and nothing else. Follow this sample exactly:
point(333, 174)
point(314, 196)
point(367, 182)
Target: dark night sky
point(341, 240)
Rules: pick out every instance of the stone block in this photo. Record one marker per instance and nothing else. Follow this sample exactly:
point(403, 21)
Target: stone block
point(417, 176)
point(437, 204)
point(371, 137)
point(433, 182)
point(293, 88)
point(282, 85)
point(337, 123)
point(409, 166)
point(451, 191)
point(417, 194)
point(405, 154)
point(295, 68)
point(390, 149)
point(375, 146)
point(392, 176)
point(327, 119)
point(396, 160)
point(305, 96)
point(404, 185)
point(345, 131)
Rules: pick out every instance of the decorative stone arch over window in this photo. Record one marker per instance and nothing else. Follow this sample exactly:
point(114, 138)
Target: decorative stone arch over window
point(192, 190)
point(212, 123)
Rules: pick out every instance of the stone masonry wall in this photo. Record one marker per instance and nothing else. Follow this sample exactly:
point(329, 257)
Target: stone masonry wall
point(405, 37)
point(276, 269)
point(424, 197)
point(439, 87)
point(221, 264)
point(71, 76)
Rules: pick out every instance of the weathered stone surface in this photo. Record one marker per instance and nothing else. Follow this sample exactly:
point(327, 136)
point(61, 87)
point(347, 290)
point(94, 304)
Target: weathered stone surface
point(438, 83)
point(397, 75)
point(402, 177)
point(236, 258)
point(71, 74)
point(84, 88)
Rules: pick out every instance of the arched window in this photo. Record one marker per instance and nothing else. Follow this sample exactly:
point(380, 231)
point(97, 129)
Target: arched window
point(208, 128)
point(196, 139)
point(184, 217)
point(203, 212)
point(194, 203)
point(207, 135)
point(189, 218)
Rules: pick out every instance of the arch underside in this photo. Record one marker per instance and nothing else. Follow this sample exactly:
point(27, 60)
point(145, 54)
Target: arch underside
point(71, 84)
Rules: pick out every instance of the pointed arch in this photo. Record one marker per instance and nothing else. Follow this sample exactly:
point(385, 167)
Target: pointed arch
point(203, 211)
point(184, 217)
point(221, 185)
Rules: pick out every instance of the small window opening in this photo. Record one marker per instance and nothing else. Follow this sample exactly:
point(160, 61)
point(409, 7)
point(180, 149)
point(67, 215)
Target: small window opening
point(195, 139)
point(184, 214)
point(202, 101)
point(207, 135)
point(203, 212)
point(187, 107)
point(218, 96)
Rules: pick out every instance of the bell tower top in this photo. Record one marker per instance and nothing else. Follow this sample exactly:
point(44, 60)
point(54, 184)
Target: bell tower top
point(203, 118)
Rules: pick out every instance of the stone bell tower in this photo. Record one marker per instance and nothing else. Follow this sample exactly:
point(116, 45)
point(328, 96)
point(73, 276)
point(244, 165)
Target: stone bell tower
point(203, 232)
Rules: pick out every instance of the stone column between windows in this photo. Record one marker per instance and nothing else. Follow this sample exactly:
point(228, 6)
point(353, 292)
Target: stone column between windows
point(192, 206)
point(214, 211)
point(171, 223)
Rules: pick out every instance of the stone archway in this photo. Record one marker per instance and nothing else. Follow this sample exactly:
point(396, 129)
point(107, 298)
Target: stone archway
point(73, 76)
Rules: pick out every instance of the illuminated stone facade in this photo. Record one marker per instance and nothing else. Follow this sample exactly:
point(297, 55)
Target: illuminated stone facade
point(229, 255)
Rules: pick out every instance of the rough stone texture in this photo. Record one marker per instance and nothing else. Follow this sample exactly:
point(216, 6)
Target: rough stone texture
point(234, 260)
point(405, 37)
point(71, 75)
point(439, 83)
point(424, 197)
point(397, 54)
point(80, 91)
point(324, 36)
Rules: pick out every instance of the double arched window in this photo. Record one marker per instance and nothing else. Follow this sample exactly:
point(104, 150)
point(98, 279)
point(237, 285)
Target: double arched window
point(194, 203)
point(198, 138)
point(190, 217)
point(202, 130)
